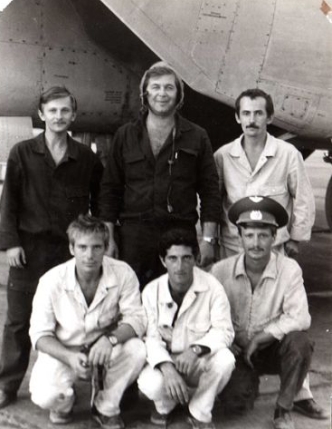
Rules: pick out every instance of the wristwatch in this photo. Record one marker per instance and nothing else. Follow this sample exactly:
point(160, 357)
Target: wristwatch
point(211, 240)
point(197, 349)
point(113, 340)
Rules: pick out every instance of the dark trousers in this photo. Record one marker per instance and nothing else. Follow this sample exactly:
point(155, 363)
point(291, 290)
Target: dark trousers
point(16, 344)
point(42, 253)
point(138, 246)
point(290, 358)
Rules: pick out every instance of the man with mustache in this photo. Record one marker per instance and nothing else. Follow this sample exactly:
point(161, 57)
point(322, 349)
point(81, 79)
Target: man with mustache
point(259, 164)
point(50, 180)
point(270, 315)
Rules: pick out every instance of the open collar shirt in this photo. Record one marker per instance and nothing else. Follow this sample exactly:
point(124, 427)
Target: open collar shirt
point(278, 305)
point(203, 318)
point(280, 174)
point(60, 309)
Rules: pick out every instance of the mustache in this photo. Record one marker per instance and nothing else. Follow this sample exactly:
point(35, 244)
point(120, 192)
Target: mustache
point(256, 248)
point(252, 126)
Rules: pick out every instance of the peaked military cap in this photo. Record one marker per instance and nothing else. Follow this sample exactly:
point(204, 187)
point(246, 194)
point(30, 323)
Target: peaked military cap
point(258, 210)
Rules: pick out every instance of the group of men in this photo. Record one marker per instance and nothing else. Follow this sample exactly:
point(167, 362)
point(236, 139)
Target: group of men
point(197, 335)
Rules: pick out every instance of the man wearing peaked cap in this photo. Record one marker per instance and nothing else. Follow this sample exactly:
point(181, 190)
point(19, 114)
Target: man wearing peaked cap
point(258, 209)
point(270, 314)
point(157, 166)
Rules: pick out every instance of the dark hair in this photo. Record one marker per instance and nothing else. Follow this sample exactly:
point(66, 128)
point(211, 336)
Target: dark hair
point(157, 72)
point(255, 93)
point(86, 224)
point(55, 93)
point(272, 228)
point(178, 237)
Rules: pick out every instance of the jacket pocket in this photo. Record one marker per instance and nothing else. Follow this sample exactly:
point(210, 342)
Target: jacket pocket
point(134, 166)
point(77, 200)
point(197, 330)
point(185, 163)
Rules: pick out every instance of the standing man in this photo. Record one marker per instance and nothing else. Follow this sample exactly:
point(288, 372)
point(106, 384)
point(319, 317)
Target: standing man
point(189, 332)
point(270, 314)
point(87, 313)
point(259, 164)
point(49, 181)
point(156, 167)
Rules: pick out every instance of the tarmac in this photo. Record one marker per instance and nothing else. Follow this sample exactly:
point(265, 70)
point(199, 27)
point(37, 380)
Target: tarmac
point(315, 260)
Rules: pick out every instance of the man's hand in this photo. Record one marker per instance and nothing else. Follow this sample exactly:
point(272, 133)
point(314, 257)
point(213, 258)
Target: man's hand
point(16, 257)
point(207, 254)
point(113, 250)
point(79, 363)
point(101, 352)
point(258, 342)
point(184, 362)
point(236, 349)
point(175, 386)
point(292, 248)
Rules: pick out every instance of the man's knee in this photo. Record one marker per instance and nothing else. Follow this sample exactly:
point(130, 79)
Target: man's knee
point(298, 345)
point(150, 382)
point(52, 397)
point(135, 349)
point(222, 362)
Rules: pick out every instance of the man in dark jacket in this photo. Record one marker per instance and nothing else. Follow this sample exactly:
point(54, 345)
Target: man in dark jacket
point(156, 167)
point(49, 181)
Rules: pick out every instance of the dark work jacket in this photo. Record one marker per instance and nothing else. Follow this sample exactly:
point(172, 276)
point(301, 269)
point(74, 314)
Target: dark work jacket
point(40, 198)
point(136, 185)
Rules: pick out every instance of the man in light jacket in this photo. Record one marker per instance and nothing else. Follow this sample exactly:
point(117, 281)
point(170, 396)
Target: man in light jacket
point(188, 335)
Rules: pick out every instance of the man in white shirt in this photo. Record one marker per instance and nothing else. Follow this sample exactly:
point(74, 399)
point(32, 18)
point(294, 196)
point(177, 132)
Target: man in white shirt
point(188, 335)
point(269, 312)
point(87, 315)
point(259, 164)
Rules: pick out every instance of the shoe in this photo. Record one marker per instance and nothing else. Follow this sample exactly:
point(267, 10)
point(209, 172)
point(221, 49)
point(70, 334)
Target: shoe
point(7, 398)
point(197, 424)
point(158, 419)
point(311, 409)
point(282, 419)
point(61, 418)
point(106, 422)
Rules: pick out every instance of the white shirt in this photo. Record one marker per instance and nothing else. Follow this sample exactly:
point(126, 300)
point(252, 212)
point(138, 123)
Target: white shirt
point(203, 318)
point(280, 174)
point(60, 309)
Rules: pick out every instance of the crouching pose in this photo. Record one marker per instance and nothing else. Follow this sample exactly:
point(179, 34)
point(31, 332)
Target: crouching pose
point(188, 335)
point(86, 322)
point(270, 314)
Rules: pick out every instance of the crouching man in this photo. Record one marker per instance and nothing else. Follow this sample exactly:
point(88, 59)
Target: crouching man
point(86, 320)
point(270, 314)
point(188, 335)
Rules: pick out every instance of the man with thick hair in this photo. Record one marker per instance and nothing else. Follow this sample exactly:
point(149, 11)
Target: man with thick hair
point(188, 335)
point(49, 181)
point(270, 314)
point(259, 164)
point(156, 167)
point(86, 317)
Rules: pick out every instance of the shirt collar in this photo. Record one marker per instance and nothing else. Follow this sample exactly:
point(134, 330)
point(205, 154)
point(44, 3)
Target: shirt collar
point(39, 146)
point(270, 147)
point(107, 280)
point(269, 272)
point(198, 285)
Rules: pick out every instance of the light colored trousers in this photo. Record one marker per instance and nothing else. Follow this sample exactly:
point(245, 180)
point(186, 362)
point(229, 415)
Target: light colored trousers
point(208, 378)
point(51, 383)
